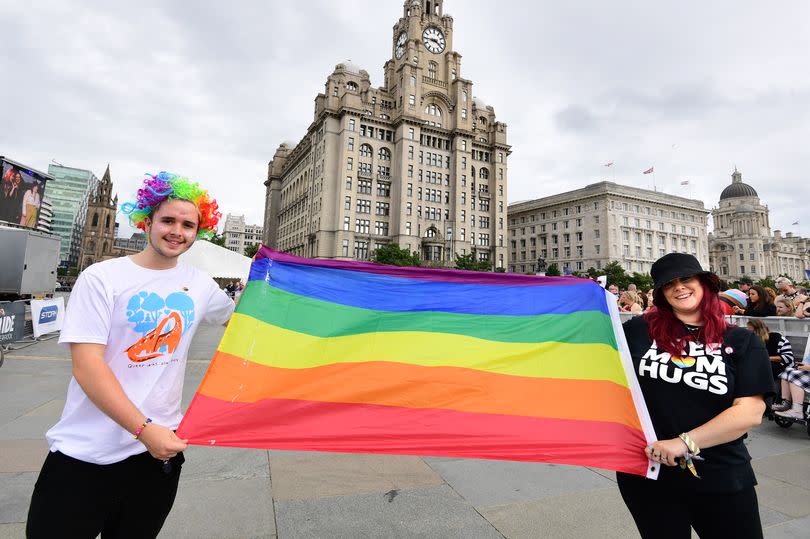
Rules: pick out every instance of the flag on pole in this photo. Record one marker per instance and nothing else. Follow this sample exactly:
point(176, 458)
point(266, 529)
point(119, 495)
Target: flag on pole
point(649, 170)
point(795, 222)
point(345, 356)
point(685, 182)
point(609, 164)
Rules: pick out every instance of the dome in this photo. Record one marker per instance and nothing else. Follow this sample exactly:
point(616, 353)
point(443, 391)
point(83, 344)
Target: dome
point(737, 190)
point(479, 103)
point(348, 66)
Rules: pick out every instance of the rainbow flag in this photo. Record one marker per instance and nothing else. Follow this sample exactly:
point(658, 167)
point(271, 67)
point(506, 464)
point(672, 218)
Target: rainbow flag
point(326, 355)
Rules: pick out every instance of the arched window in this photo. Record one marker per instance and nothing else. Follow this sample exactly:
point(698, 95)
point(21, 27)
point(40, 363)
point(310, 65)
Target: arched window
point(107, 225)
point(351, 86)
point(366, 151)
point(432, 68)
point(384, 154)
point(106, 247)
point(463, 97)
point(95, 219)
point(433, 110)
point(91, 245)
point(482, 120)
point(483, 174)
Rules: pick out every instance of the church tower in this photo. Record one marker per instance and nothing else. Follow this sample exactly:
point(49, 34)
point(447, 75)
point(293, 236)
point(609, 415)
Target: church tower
point(99, 226)
point(418, 161)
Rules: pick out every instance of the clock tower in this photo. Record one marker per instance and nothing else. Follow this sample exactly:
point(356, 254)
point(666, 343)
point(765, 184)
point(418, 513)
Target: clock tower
point(417, 161)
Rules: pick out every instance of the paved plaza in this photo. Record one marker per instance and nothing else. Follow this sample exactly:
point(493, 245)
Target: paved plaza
point(246, 493)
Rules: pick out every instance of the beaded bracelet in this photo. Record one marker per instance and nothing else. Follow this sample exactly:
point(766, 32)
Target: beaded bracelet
point(139, 430)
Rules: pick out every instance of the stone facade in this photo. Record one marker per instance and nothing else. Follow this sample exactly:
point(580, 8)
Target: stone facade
point(742, 244)
point(239, 235)
point(419, 161)
point(98, 235)
point(603, 222)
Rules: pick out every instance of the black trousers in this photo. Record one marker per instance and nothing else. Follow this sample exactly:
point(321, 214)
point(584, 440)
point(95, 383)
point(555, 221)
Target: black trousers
point(77, 499)
point(664, 512)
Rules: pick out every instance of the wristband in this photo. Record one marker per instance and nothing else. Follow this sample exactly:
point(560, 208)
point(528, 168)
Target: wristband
point(690, 443)
point(139, 430)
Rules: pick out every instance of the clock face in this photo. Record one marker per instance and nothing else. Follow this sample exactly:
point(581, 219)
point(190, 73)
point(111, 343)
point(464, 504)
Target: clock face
point(400, 50)
point(433, 39)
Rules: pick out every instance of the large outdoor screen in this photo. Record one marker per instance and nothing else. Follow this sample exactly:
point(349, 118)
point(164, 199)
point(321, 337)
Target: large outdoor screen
point(20, 195)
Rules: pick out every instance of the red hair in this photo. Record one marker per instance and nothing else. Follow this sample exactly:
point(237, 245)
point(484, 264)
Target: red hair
point(670, 334)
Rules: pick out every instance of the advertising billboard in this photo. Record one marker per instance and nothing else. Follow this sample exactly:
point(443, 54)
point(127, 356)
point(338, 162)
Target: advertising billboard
point(21, 191)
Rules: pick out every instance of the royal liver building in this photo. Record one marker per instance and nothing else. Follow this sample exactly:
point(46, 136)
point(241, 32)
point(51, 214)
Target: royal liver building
point(418, 161)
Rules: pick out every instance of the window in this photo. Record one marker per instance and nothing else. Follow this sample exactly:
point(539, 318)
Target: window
point(432, 66)
point(381, 228)
point(350, 144)
point(349, 183)
point(409, 208)
point(412, 100)
point(345, 247)
point(366, 151)
point(362, 226)
point(351, 124)
point(383, 189)
point(364, 187)
point(349, 163)
point(408, 228)
point(347, 203)
point(363, 206)
point(384, 154)
point(410, 190)
point(463, 114)
point(360, 250)
point(382, 208)
point(347, 223)
point(411, 133)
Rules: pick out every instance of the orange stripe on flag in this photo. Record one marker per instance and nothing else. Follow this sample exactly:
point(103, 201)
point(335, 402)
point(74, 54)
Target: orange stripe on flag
point(233, 379)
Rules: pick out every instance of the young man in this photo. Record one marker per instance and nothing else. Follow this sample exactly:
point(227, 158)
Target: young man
point(115, 461)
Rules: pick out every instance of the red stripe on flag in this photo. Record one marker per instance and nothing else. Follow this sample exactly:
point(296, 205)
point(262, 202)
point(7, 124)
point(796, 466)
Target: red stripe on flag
point(363, 428)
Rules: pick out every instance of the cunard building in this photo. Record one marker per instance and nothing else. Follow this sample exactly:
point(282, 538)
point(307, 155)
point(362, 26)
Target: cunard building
point(419, 161)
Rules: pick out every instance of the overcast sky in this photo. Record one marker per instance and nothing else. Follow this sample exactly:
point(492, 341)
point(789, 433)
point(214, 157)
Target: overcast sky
point(210, 89)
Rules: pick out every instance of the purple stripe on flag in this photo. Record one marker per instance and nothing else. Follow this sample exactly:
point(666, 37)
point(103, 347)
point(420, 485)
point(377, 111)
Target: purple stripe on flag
point(427, 274)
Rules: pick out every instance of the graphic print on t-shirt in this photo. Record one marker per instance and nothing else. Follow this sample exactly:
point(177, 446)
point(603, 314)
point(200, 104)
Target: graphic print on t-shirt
point(700, 367)
point(161, 323)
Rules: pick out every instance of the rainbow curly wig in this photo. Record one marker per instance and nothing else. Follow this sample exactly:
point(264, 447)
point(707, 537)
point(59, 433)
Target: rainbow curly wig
point(165, 186)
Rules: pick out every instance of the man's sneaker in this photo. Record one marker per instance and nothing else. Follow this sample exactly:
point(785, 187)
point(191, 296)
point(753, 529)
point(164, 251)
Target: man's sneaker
point(781, 407)
point(792, 414)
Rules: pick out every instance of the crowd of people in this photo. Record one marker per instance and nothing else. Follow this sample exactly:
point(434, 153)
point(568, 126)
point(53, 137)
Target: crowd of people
point(745, 299)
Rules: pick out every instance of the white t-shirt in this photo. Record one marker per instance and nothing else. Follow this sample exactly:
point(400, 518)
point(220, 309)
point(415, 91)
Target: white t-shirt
point(146, 319)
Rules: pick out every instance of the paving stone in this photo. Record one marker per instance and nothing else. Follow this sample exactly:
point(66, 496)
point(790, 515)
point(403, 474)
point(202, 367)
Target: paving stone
point(15, 495)
point(491, 482)
point(795, 529)
point(770, 439)
point(14, 530)
point(784, 497)
point(53, 409)
point(427, 512)
point(217, 509)
point(300, 475)
point(771, 517)
point(597, 514)
point(215, 463)
point(27, 428)
point(22, 455)
point(785, 467)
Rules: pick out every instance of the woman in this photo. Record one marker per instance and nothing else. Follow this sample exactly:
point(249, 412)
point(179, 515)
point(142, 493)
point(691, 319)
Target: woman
point(704, 384)
point(784, 306)
point(630, 302)
point(779, 350)
point(759, 303)
point(30, 206)
point(794, 381)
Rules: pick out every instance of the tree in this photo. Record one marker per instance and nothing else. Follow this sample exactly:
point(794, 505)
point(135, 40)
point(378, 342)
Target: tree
point(393, 255)
point(767, 282)
point(553, 270)
point(218, 239)
point(468, 262)
point(251, 250)
point(616, 275)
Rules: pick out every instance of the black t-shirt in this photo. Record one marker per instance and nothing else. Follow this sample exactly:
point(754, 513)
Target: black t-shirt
point(687, 391)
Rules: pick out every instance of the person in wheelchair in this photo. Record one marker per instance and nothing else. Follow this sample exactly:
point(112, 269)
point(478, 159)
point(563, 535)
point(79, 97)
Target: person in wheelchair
point(795, 381)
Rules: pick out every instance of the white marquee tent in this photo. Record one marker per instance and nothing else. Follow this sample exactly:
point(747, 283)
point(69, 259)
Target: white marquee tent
point(216, 261)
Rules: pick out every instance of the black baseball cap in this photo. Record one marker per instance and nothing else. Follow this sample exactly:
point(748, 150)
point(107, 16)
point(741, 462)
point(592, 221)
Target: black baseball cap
point(679, 266)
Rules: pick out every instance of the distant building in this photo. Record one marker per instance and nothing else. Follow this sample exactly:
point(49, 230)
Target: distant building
point(603, 222)
point(98, 237)
point(68, 196)
point(418, 161)
point(239, 235)
point(135, 243)
point(742, 244)
point(45, 218)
